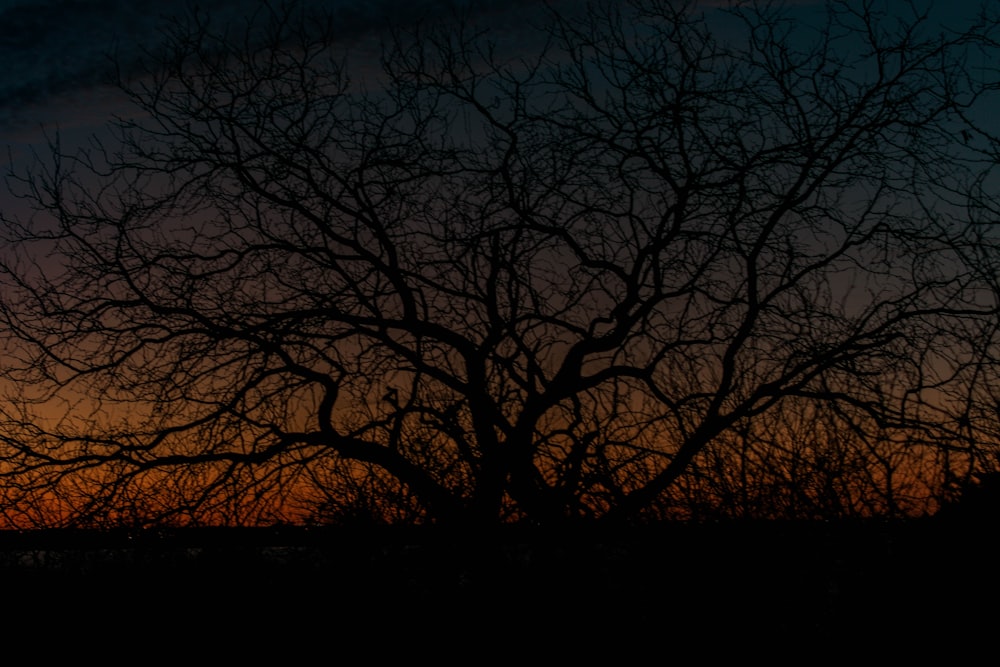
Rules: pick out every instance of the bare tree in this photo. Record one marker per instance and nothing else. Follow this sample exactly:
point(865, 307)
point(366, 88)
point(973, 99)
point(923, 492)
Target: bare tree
point(485, 284)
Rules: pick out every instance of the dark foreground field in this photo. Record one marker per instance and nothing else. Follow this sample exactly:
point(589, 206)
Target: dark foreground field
point(670, 594)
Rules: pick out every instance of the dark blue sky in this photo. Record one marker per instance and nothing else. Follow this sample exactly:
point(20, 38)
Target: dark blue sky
point(54, 53)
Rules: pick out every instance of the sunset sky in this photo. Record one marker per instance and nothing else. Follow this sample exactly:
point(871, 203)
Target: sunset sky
point(57, 57)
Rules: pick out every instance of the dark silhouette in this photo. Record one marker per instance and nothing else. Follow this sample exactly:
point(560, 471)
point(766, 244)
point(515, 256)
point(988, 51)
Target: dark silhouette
point(665, 261)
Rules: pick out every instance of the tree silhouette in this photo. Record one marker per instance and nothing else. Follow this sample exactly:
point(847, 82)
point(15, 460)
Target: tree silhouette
point(483, 282)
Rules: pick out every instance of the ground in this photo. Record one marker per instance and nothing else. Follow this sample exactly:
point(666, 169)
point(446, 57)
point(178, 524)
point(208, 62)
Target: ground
point(777, 590)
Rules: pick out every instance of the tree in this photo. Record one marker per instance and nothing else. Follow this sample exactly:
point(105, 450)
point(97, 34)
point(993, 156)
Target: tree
point(482, 284)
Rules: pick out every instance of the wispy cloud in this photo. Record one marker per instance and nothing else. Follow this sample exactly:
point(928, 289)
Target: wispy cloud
point(54, 51)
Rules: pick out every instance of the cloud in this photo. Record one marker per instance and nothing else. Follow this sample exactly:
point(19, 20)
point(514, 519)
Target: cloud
point(57, 54)
point(49, 46)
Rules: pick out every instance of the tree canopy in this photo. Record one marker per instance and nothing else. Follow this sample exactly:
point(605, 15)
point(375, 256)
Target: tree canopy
point(654, 260)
